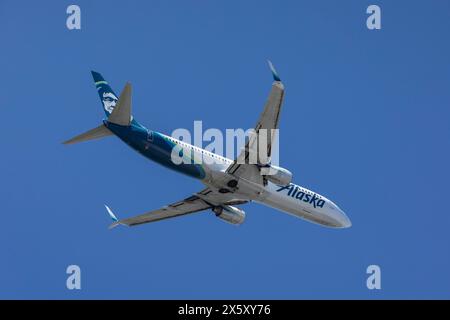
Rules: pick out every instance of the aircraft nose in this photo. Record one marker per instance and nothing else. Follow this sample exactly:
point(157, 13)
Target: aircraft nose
point(344, 221)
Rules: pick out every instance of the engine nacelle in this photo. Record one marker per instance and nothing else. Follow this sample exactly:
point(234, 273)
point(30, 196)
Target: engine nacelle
point(230, 214)
point(278, 175)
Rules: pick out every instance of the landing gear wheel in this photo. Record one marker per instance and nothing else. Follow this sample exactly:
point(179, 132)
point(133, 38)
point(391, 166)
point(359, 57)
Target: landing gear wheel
point(232, 183)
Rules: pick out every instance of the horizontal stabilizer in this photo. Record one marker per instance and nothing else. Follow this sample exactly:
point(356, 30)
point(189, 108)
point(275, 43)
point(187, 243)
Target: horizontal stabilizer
point(121, 113)
point(96, 133)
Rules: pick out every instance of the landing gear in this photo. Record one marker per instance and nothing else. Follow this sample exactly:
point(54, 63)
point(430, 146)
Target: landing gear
point(232, 183)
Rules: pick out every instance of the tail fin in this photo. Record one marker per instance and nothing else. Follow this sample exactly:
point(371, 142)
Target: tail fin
point(117, 110)
point(107, 96)
point(96, 133)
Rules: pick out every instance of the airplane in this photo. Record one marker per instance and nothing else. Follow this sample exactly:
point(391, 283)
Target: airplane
point(227, 183)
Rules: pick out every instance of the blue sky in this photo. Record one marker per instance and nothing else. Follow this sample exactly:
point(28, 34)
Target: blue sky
point(365, 122)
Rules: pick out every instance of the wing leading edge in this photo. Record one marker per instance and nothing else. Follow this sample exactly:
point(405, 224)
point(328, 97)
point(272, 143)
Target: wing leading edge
point(203, 200)
point(189, 205)
point(268, 120)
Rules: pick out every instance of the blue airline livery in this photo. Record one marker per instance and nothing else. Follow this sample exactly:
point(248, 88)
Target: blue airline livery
point(227, 183)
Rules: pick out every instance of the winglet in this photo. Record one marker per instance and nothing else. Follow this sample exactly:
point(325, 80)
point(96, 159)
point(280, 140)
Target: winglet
point(113, 217)
point(111, 214)
point(275, 75)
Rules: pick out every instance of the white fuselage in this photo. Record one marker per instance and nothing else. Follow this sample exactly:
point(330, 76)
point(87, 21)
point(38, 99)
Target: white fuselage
point(292, 199)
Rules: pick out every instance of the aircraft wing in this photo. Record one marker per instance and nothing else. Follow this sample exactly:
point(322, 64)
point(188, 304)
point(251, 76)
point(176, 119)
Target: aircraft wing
point(195, 203)
point(268, 120)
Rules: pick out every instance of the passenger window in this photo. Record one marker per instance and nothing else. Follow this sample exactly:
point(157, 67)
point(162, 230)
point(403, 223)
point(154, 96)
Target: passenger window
point(149, 135)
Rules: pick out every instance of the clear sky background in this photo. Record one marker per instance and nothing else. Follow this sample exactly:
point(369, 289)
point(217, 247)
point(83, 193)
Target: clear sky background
point(365, 122)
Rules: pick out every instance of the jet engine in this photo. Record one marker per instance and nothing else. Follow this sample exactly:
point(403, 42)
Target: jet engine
point(278, 175)
point(230, 214)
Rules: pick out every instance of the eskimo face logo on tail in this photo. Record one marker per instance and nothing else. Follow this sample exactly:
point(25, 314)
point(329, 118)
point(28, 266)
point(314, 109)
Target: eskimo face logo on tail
point(297, 193)
point(109, 101)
